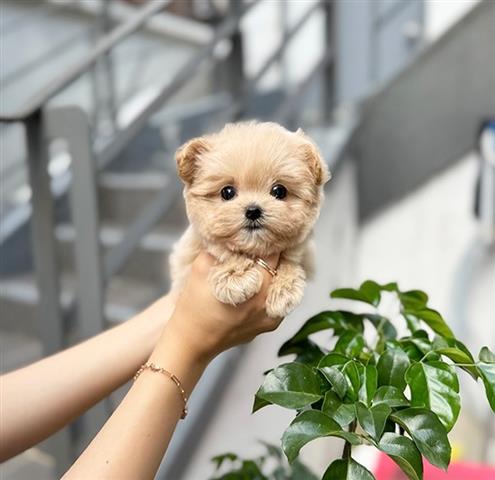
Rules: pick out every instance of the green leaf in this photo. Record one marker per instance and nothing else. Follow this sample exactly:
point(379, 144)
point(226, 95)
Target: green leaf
point(309, 425)
point(301, 472)
point(353, 378)
point(390, 287)
point(322, 321)
point(350, 294)
point(404, 453)
point(259, 403)
point(371, 290)
point(373, 419)
point(302, 347)
point(347, 469)
point(292, 385)
point(280, 474)
point(487, 373)
point(413, 299)
point(392, 366)
point(457, 352)
point(272, 450)
point(383, 325)
point(428, 434)
point(369, 382)
point(391, 396)
point(413, 352)
point(250, 471)
point(307, 352)
point(220, 459)
point(434, 386)
point(350, 344)
point(329, 367)
point(337, 320)
point(342, 413)
point(486, 355)
point(434, 320)
point(413, 323)
point(421, 340)
point(351, 321)
point(458, 356)
point(368, 292)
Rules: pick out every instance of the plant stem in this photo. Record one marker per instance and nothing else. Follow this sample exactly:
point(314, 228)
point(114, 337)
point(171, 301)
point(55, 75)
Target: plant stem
point(346, 453)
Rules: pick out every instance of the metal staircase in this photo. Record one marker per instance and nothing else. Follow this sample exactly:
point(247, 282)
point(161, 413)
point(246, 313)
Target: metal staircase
point(90, 248)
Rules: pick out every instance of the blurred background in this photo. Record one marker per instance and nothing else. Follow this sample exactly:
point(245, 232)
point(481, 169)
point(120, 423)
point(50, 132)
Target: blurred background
point(96, 95)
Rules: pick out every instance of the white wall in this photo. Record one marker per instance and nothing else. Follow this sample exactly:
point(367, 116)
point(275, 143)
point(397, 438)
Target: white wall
point(441, 14)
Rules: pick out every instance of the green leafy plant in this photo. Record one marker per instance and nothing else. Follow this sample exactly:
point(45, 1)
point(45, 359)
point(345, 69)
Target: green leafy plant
point(269, 466)
point(397, 394)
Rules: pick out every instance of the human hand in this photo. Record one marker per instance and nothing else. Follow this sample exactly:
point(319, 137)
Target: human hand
point(202, 327)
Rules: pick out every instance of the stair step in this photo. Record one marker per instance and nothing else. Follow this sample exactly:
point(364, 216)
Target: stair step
point(19, 296)
point(123, 195)
point(147, 263)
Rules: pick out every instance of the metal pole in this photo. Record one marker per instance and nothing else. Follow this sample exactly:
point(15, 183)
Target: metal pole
point(284, 28)
point(71, 124)
point(329, 69)
point(234, 63)
point(374, 51)
point(102, 79)
point(50, 319)
point(108, 69)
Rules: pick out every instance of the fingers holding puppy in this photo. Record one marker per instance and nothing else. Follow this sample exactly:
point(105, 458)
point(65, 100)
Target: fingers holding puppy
point(213, 326)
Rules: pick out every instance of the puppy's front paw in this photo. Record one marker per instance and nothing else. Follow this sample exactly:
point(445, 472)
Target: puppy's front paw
point(235, 283)
point(286, 291)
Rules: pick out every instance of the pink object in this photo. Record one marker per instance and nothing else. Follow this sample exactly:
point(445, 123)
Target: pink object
point(386, 469)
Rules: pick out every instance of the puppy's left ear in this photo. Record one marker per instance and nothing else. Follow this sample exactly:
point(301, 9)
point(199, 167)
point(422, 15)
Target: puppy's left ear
point(187, 158)
point(314, 159)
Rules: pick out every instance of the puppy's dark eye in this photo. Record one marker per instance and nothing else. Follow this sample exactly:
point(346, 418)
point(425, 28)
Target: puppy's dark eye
point(278, 191)
point(228, 192)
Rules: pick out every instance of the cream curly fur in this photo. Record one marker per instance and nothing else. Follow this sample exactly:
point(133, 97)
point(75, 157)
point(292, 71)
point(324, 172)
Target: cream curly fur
point(252, 157)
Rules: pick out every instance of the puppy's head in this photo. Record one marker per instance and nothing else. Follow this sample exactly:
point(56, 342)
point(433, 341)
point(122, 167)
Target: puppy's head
point(254, 188)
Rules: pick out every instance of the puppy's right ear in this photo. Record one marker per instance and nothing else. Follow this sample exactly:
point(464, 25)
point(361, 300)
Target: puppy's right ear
point(187, 158)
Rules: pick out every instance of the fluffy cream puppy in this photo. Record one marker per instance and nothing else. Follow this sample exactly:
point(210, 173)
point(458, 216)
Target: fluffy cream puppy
point(251, 190)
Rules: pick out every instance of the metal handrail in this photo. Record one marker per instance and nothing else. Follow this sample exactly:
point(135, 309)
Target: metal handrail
point(106, 44)
point(124, 136)
point(236, 109)
point(46, 56)
point(117, 257)
point(286, 111)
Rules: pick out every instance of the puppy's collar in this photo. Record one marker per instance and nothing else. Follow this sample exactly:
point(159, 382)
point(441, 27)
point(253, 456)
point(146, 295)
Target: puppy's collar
point(268, 268)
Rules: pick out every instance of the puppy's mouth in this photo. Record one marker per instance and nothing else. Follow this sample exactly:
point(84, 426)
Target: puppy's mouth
point(254, 226)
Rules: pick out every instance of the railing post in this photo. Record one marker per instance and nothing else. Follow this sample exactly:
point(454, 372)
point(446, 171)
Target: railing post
point(102, 78)
point(329, 83)
point(234, 64)
point(71, 124)
point(50, 318)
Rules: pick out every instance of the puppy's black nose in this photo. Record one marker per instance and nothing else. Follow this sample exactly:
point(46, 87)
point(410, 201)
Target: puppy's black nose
point(253, 212)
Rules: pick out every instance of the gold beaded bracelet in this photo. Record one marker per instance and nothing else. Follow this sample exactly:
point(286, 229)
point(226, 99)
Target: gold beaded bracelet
point(156, 368)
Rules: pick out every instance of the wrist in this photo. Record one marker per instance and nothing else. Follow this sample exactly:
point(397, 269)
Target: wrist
point(175, 354)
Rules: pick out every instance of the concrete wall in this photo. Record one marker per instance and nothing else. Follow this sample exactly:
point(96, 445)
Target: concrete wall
point(427, 117)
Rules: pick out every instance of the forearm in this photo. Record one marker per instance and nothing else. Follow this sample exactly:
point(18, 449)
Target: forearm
point(40, 399)
point(145, 420)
